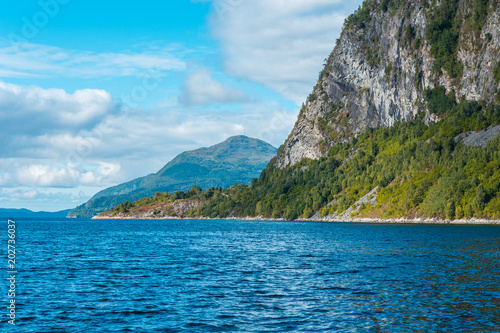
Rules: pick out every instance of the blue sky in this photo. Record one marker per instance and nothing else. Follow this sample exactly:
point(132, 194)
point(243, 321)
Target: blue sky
point(96, 93)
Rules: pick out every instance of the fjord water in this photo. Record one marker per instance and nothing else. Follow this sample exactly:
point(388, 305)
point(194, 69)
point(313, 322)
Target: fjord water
point(210, 276)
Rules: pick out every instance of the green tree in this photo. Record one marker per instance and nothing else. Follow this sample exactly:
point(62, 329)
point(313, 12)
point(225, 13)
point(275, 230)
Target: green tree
point(450, 210)
point(480, 198)
point(195, 190)
point(258, 208)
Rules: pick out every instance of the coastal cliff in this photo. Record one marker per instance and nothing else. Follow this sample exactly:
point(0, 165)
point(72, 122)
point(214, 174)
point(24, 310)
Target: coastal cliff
point(388, 55)
point(402, 125)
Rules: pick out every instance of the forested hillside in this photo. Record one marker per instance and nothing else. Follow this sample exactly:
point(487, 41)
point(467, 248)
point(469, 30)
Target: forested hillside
point(237, 160)
point(404, 116)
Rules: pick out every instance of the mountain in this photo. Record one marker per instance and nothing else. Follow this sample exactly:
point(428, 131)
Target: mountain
point(15, 213)
point(389, 54)
point(402, 124)
point(238, 160)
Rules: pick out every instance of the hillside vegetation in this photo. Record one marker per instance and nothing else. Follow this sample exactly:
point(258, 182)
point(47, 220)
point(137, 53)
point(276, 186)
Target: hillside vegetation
point(421, 171)
point(406, 83)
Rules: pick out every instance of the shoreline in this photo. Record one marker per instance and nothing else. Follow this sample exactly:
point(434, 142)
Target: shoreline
point(472, 221)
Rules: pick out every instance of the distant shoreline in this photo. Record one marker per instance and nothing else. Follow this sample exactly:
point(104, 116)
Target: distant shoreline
point(472, 221)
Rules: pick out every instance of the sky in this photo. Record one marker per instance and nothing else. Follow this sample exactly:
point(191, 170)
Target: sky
point(96, 93)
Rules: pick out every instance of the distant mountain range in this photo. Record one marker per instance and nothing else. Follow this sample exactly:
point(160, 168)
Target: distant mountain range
point(237, 160)
point(13, 213)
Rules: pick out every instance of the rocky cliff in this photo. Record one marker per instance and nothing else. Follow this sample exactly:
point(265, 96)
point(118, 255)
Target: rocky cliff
point(403, 124)
point(389, 54)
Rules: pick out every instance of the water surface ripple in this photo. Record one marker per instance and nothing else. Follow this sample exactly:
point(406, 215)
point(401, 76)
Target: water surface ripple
point(213, 276)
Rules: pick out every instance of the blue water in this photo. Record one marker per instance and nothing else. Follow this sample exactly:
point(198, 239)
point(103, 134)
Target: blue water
point(211, 276)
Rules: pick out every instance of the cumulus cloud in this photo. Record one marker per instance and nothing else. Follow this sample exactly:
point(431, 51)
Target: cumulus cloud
point(44, 175)
point(70, 175)
point(34, 112)
point(134, 145)
point(56, 139)
point(280, 44)
point(39, 108)
point(145, 141)
point(201, 89)
point(26, 59)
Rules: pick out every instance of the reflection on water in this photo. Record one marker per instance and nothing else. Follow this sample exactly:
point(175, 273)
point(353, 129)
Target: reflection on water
point(169, 276)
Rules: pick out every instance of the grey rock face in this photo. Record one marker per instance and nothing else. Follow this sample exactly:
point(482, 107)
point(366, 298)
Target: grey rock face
point(355, 91)
point(480, 138)
point(369, 198)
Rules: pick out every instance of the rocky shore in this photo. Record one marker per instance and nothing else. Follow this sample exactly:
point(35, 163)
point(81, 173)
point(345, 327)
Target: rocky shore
point(472, 221)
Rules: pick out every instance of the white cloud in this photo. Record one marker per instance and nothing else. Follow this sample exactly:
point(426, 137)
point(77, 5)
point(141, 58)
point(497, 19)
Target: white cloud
point(201, 89)
point(29, 194)
point(135, 145)
point(26, 59)
point(43, 109)
point(145, 140)
point(42, 199)
point(54, 139)
point(46, 175)
point(16, 74)
point(280, 44)
point(5, 179)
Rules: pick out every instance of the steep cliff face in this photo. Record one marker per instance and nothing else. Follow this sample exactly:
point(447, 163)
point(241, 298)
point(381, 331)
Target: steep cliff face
point(388, 55)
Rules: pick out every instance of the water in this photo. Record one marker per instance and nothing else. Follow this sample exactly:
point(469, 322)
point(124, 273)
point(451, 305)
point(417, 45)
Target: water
point(211, 276)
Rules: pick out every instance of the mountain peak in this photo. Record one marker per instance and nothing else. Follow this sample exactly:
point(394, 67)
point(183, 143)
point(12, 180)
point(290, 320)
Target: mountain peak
point(238, 159)
point(240, 137)
point(244, 139)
